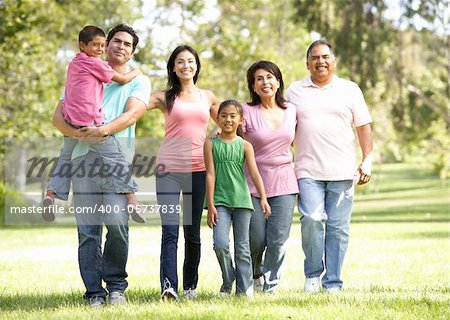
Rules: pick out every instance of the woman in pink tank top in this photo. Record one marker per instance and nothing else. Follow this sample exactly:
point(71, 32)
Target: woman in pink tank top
point(187, 110)
point(269, 125)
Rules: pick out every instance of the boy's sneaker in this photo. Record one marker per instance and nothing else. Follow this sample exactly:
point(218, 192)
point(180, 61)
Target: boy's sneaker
point(190, 293)
point(136, 213)
point(48, 205)
point(117, 297)
point(312, 285)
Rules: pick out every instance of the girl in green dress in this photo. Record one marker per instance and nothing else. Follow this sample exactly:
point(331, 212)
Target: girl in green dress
point(228, 198)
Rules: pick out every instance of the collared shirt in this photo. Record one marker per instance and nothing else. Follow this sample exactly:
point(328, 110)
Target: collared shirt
point(115, 99)
point(324, 139)
point(84, 90)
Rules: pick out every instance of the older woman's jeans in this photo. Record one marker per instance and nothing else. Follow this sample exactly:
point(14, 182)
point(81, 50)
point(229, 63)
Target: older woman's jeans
point(326, 210)
point(240, 219)
point(92, 192)
point(268, 238)
point(168, 188)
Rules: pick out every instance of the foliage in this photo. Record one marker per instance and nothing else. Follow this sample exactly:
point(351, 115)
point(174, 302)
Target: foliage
point(35, 44)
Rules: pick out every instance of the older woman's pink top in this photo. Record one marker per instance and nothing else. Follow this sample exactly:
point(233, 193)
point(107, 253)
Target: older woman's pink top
point(272, 151)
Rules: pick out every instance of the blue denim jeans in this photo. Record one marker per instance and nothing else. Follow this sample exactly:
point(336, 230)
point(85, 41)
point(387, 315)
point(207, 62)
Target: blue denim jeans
point(268, 238)
point(168, 188)
point(326, 208)
point(112, 157)
point(240, 219)
point(97, 265)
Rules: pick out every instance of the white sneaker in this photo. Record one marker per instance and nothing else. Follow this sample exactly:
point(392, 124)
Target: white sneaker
point(168, 293)
point(333, 290)
point(117, 297)
point(312, 285)
point(190, 294)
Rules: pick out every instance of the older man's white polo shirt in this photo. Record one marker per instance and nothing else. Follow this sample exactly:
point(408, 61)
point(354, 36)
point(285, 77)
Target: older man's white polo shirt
point(325, 140)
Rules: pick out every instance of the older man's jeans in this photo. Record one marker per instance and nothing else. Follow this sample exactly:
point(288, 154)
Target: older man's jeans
point(96, 204)
point(168, 189)
point(326, 210)
point(240, 219)
point(268, 238)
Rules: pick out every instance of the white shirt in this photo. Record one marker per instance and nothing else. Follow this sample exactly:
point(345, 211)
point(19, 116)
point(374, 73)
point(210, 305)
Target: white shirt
point(324, 139)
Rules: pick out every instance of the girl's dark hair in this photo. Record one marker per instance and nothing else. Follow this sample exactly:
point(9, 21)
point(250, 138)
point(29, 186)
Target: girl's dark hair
point(273, 69)
point(231, 102)
point(239, 109)
point(173, 82)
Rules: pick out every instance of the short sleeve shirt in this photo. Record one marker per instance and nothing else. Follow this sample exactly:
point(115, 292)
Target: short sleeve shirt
point(114, 101)
point(84, 90)
point(272, 150)
point(326, 116)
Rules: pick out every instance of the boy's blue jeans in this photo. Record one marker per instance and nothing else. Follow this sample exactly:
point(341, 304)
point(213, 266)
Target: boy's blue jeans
point(112, 158)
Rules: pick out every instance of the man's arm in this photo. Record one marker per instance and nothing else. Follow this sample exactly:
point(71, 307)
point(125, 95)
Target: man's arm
point(61, 124)
point(134, 110)
point(366, 143)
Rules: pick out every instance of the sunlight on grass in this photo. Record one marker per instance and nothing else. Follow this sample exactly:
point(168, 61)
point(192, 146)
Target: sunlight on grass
point(397, 267)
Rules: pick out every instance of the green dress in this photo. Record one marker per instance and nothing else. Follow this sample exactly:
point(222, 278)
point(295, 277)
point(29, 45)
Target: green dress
point(231, 188)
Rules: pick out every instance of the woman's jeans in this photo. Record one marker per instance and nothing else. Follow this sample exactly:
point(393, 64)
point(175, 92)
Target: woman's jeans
point(326, 208)
point(168, 188)
point(240, 219)
point(268, 238)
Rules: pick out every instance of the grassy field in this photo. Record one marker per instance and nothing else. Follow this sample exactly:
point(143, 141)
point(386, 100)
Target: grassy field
point(397, 266)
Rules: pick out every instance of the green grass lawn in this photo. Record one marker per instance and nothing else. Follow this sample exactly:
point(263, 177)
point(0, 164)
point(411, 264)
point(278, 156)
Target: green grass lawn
point(397, 266)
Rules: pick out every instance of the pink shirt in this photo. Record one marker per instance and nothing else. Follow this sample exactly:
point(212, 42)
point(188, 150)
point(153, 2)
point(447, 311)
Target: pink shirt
point(185, 134)
point(272, 151)
point(325, 141)
point(83, 95)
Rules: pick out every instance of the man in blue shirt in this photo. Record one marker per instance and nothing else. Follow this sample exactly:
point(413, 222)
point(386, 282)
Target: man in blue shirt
point(94, 192)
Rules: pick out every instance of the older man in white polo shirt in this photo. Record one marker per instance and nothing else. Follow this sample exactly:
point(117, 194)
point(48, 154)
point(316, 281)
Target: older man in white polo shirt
point(328, 107)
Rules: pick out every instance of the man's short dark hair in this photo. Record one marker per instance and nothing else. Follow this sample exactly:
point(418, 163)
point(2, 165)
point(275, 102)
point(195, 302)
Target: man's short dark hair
point(318, 43)
point(90, 32)
point(123, 28)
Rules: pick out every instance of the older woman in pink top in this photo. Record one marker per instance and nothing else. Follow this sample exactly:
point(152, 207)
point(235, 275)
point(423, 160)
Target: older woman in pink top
point(270, 127)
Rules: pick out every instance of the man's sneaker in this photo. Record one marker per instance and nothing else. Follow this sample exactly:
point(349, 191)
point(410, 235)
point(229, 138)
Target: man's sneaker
point(96, 301)
point(136, 213)
point(258, 284)
point(312, 285)
point(190, 294)
point(117, 297)
point(48, 205)
point(333, 290)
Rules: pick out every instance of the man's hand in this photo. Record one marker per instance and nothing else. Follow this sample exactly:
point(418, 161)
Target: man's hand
point(364, 171)
point(92, 135)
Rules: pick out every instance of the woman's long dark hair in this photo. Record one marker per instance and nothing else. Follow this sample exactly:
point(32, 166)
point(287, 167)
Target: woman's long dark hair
point(173, 82)
point(273, 69)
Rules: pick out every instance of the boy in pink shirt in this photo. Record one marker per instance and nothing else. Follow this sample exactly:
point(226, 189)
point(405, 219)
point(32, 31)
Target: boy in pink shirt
point(83, 98)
